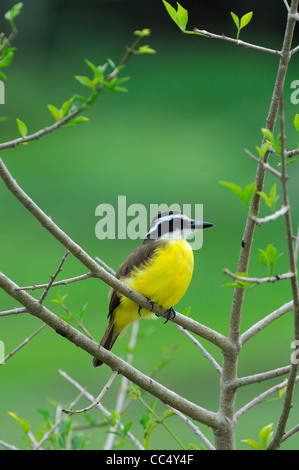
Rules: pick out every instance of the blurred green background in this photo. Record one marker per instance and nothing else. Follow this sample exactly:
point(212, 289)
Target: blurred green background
point(181, 128)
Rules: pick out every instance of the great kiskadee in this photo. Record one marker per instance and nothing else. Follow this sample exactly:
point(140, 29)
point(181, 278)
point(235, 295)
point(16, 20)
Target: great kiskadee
point(160, 268)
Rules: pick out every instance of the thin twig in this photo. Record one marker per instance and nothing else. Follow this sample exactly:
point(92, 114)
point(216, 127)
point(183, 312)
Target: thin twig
point(261, 377)
point(264, 322)
point(102, 263)
point(8, 446)
point(13, 311)
point(270, 218)
point(194, 428)
point(294, 51)
point(264, 164)
point(26, 341)
point(238, 42)
point(53, 277)
point(290, 433)
point(259, 280)
point(63, 282)
point(206, 354)
point(260, 398)
point(98, 399)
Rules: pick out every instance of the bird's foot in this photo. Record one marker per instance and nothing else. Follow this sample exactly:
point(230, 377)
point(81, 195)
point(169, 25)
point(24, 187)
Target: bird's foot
point(151, 304)
point(170, 312)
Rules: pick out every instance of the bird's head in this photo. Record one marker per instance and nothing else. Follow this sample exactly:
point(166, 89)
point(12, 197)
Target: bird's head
point(173, 225)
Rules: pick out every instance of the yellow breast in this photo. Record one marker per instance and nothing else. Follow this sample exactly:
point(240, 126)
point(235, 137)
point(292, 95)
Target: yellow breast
point(168, 274)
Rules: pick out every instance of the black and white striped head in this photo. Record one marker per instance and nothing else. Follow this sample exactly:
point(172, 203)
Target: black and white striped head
point(173, 225)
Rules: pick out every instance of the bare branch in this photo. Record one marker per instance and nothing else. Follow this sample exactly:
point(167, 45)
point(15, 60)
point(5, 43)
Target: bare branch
point(102, 263)
point(8, 446)
point(292, 153)
point(206, 354)
point(257, 378)
point(260, 398)
point(259, 280)
point(270, 218)
point(13, 311)
point(290, 433)
point(259, 326)
point(194, 428)
point(64, 282)
point(287, 5)
point(265, 165)
point(48, 287)
point(26, 341)
point(238, 42)
point(99, 397)
point(294, 51)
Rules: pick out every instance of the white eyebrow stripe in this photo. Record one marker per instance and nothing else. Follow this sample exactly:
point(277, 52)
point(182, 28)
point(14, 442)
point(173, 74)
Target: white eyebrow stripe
point(167, 218)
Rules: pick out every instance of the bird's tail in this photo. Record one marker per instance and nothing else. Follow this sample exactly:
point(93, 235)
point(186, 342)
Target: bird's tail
point(108, 340)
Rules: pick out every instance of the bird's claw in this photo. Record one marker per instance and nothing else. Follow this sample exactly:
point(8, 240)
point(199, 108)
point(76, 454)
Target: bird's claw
point(151, 304)
point(170, 312)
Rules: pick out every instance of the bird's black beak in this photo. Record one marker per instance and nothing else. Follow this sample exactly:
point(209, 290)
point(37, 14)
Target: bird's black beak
point(195, 225)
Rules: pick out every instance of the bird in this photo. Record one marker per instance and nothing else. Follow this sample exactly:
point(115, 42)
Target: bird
point(160, 269)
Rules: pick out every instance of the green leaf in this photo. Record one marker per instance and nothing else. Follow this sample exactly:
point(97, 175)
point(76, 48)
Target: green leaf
point(253, 444)
point(266, 435)
point(83, 80)
point(23, 422)
point(6, 59)
point(244, 194)
point(143, 32)
point(3, 76)
point(66, 106)
point(269, 136)
point(234, 187)
point(296, 122)
point(171, 11)
point(77, 120)
point(22, 127)
point(282, 391)
point(262, 151)
point(11, 14)
point(187, 311)
point(127, 427)
point(272, 198)
point(145, 50)
point(56, 113)
point(236, 19)
point(248, 193)
point(182, 17)
point(246, 19)
point(269, 258)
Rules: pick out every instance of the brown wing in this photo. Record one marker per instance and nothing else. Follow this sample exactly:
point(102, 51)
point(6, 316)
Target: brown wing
point(137, 258)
